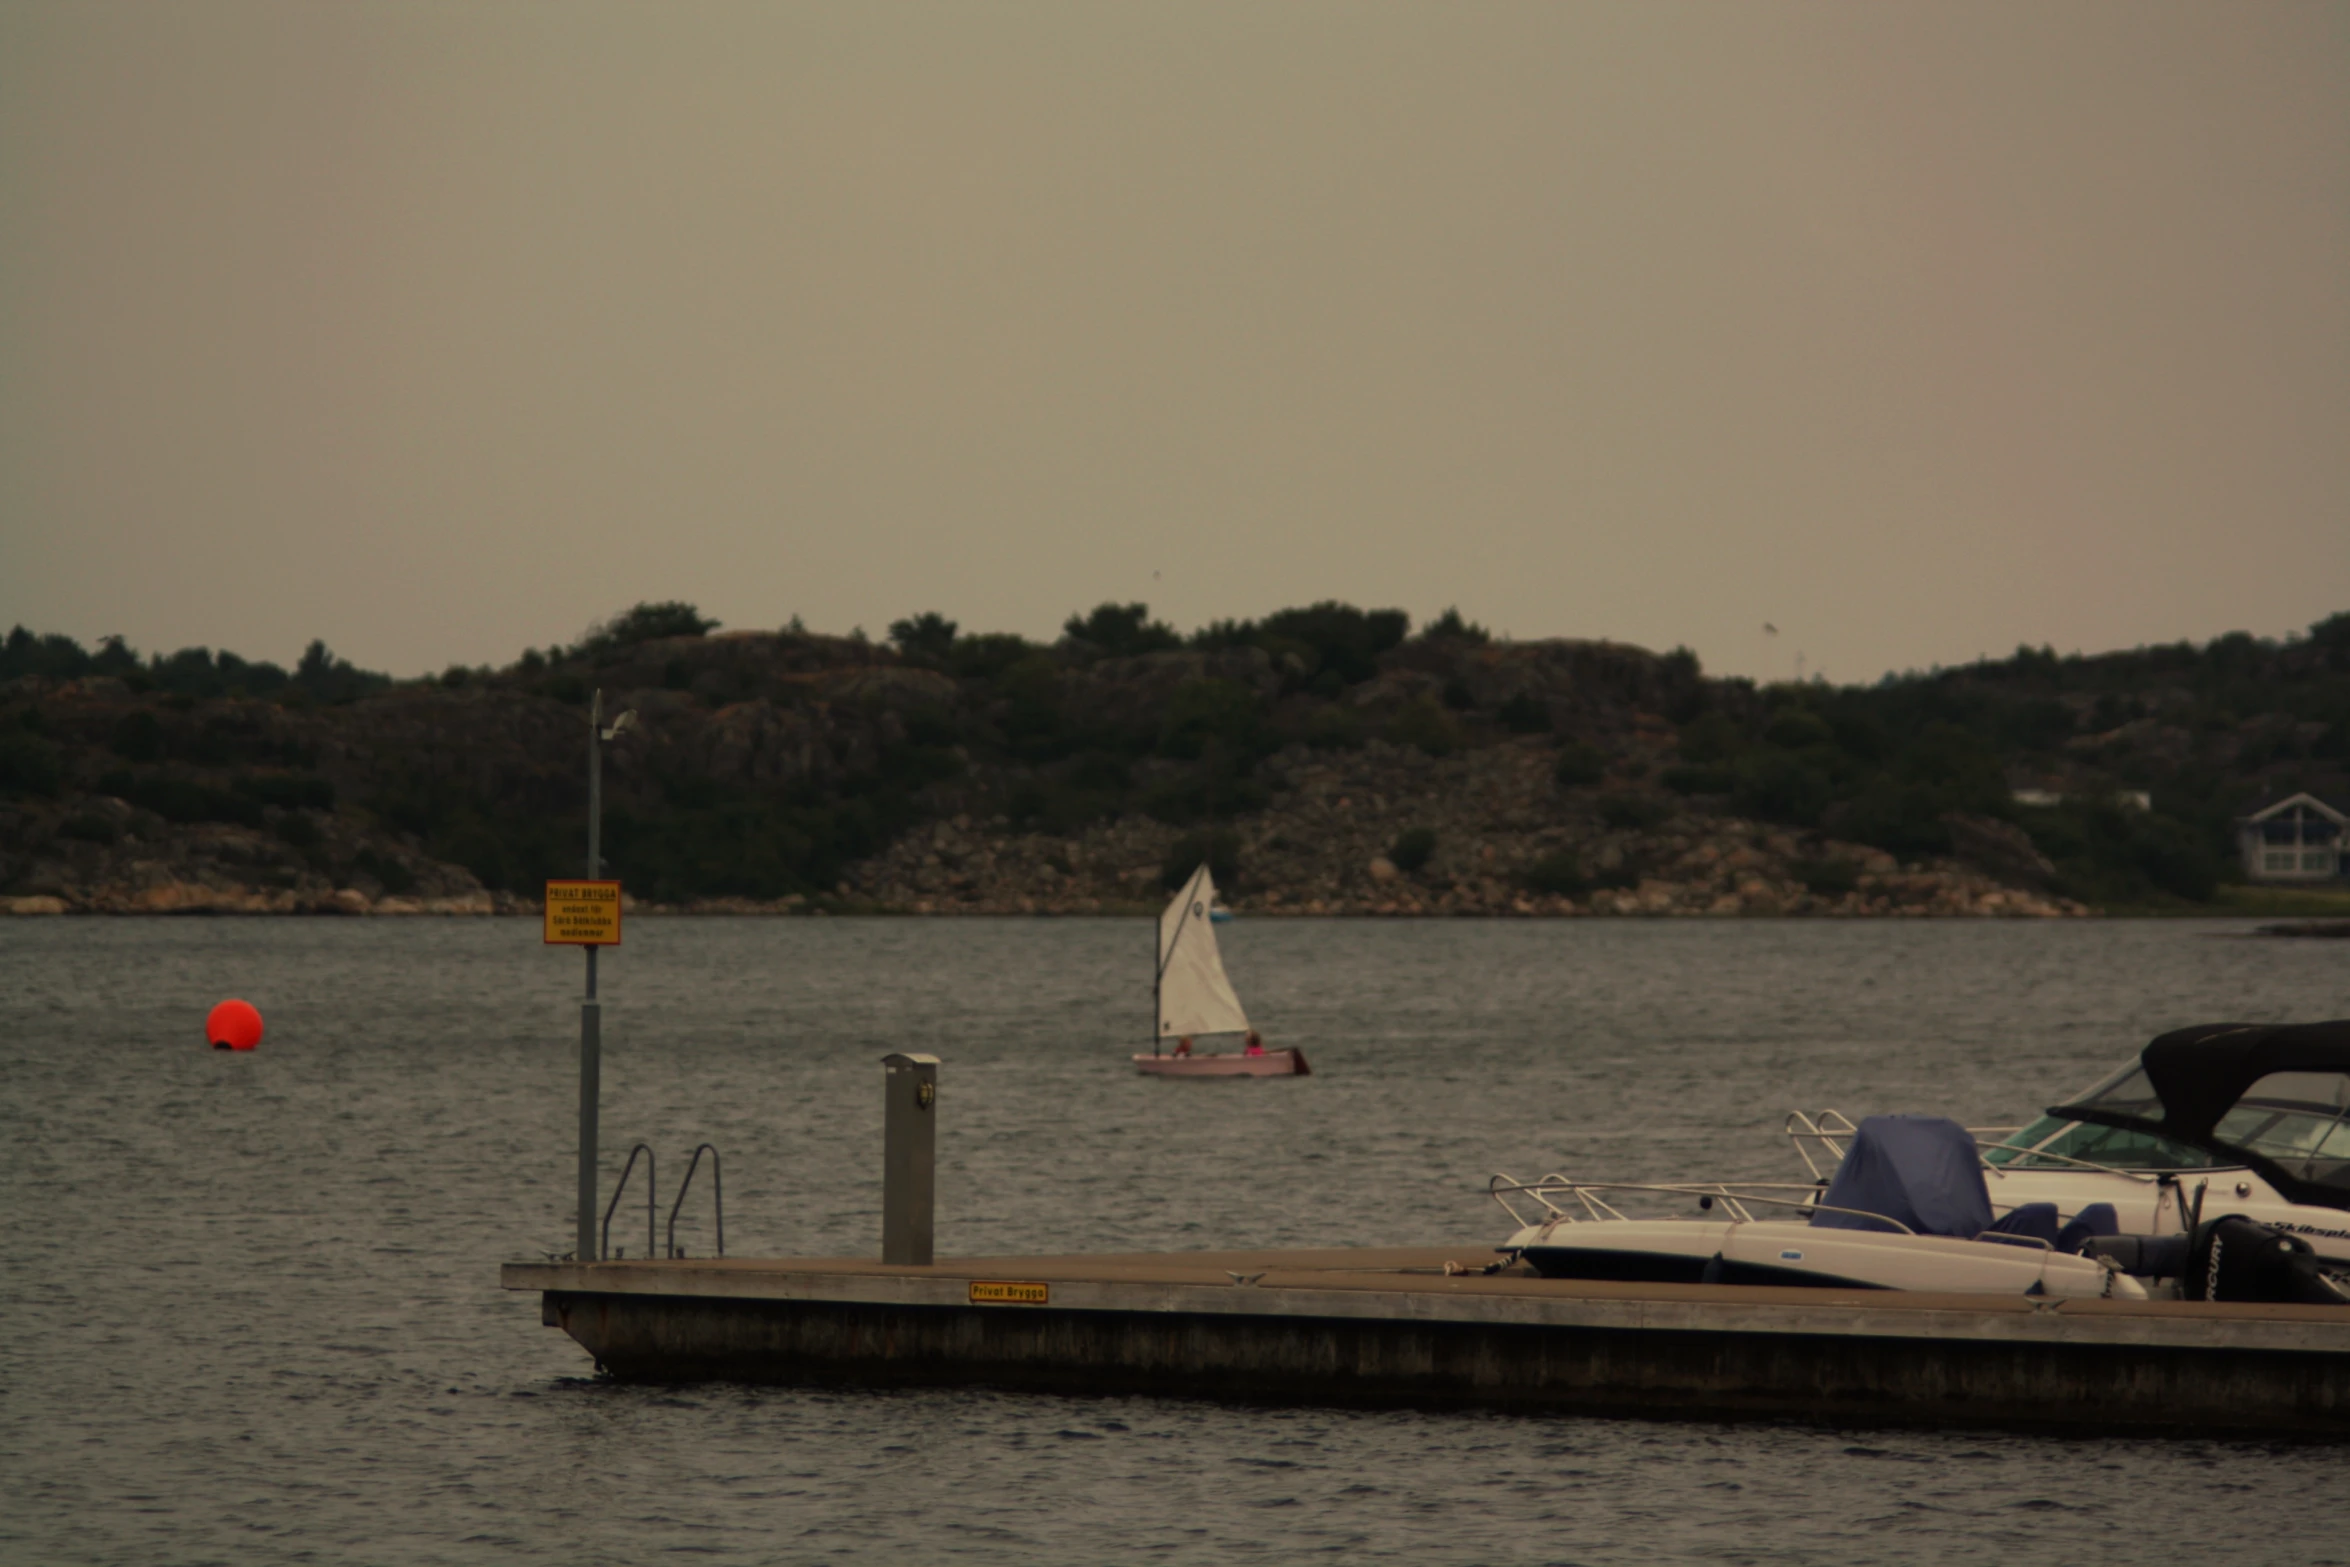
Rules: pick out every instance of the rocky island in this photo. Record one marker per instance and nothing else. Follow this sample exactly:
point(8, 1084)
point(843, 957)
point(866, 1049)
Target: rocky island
point(1326, 760)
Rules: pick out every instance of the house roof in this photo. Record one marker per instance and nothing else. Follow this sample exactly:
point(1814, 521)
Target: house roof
point(2339, 814)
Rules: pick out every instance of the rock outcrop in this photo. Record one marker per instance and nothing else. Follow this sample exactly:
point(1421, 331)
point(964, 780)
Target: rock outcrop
point(1507, 841)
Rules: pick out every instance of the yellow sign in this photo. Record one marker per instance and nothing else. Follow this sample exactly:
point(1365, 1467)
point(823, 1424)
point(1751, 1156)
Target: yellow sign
point(986, 1292)
point(583, 913)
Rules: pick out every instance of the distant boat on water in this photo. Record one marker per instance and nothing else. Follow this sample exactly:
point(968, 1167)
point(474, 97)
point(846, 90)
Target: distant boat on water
point(1191, 998)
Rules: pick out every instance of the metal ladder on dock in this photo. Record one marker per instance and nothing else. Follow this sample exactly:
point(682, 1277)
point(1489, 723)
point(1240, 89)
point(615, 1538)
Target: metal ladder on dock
point(652, 1190)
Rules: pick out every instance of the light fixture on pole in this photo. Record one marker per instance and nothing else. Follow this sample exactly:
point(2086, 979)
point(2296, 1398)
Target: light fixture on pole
point(591, 1021)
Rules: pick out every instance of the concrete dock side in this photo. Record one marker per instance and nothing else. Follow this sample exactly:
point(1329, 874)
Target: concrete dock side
point(1391, 1326)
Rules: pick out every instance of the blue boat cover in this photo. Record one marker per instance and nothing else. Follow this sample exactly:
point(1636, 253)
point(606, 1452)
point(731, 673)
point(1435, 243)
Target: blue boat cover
point(1921, 1170)
point(2036, 1219)
point(2095, 1220)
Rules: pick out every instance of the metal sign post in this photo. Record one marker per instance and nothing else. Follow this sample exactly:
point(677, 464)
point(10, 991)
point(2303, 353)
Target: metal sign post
point(587, 914)
point(591, 1011)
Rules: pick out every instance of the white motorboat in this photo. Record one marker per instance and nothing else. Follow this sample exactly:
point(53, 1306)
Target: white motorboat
point(2230, 1181)
point(1906, 1210)
point(1782, 1251)
point(2205, 1124)
point(1192, 1000)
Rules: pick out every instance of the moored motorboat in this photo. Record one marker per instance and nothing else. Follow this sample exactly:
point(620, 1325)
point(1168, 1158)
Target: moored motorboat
point(1192, 999)
point(2230, 1182)
point(2219, 1120)
point(1791, 1252)
point(1907, 1210)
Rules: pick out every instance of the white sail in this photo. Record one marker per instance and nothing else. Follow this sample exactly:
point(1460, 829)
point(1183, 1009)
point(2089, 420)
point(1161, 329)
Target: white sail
point(1194, 995)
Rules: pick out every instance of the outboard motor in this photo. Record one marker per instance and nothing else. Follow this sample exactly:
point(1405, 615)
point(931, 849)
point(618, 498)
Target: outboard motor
point(2235, 1258)
point(2147, 1256)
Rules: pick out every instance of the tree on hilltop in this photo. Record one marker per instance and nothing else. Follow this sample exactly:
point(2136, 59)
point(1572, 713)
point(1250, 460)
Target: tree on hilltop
point(646, 623)
point(1122, 630)
point(927, 638)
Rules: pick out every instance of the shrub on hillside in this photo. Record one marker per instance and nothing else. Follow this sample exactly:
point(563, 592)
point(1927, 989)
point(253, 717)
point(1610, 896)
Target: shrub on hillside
point(2110, 852)
point(137, 737)
point(1322, 648)
point(183, 801)
point(1685, 779)
point(1204, 792)
point(1060, 808)
point(90, 827)
point(1794, 727)
point(1776, 786)
point(288, 791)
point(1220, 850)
point(1334, 728)
point(1341, 639)
point(986, 656)
point(1450, 627)
point(394, 877)
point(1525, 714)
point(1121, 631)
point(1827, 876)
point(646, 623)
point(927, 638)
point(1425, 725)
point(1579, 766)
point(1411, 849)
point(323, 677)
point(1637, 812)
point(1035, 725)
point(1557, 874)
point(1205, 713)
point(28, 764)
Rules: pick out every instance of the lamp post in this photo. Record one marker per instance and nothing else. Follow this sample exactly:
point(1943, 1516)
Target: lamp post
point(591, 1021)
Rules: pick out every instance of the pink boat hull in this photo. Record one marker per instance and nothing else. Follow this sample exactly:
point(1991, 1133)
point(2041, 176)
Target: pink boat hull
point(1272, 1063)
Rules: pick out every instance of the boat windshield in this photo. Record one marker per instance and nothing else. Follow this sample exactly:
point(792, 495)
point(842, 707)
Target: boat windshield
point(2299, 1119)
point(2128, 1092)
point(2053, 1144)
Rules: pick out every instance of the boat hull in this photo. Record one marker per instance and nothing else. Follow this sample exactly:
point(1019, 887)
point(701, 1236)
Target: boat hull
point(1272, 1063)
point(1685, 1251)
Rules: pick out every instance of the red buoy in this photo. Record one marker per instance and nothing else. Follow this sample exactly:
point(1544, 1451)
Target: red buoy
point(233, 1025)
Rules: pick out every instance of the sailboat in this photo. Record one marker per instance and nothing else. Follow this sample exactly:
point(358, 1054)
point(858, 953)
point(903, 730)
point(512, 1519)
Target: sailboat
point(1191, 999)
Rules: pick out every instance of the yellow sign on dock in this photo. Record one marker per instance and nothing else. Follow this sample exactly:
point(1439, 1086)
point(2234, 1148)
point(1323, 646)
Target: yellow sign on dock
point(987, 1292)
point(583, 913)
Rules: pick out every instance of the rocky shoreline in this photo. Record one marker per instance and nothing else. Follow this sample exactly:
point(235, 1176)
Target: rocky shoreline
point(1496, 838)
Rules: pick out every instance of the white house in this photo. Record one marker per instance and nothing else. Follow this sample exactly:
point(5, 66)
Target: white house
point(2297, 838)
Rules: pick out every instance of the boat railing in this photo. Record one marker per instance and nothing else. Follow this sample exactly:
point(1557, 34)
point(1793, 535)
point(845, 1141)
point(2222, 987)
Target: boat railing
point(1829, 1129)
point(717, 1198)
point(1735, 1198)
point(1826, 1134)
point(2003, 1170)
point(651, 1184)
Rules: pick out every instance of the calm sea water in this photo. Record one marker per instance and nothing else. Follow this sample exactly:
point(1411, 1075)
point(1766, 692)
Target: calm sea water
point(249, 1308)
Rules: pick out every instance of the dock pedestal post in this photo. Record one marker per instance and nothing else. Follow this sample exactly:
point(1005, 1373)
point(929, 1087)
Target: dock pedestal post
point(909, 1161)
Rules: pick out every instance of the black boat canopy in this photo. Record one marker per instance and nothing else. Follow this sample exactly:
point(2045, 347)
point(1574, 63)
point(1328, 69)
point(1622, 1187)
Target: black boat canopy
point(2274, 1097)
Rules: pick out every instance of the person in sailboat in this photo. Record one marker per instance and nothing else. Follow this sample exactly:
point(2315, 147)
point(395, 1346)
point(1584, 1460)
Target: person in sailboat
point(1256, 1045)
point(1183, 1045)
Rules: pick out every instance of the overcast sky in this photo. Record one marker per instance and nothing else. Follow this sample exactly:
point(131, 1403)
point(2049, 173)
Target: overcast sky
point(442, 330)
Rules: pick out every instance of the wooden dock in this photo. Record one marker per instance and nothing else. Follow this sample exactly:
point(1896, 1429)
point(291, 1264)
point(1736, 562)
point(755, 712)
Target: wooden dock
point(1391, 1326)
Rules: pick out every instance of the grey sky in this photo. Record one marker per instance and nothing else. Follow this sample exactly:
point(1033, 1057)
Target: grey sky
point(440, 330)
